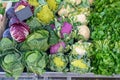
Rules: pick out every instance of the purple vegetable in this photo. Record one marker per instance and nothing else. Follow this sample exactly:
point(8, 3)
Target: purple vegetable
point(13, 21)
point(10, 13)
point(52, 26)
point(66, 29)
point(57, 47)
point(24, 3)
point(7, 34)
point(59, 19)
point(19, 31)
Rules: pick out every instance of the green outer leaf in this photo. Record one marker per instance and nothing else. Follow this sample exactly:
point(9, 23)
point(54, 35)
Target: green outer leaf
point(52, 65)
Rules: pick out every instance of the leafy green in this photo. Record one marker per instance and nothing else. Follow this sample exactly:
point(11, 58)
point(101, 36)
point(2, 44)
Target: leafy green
point(36, 41)
point(104, 57)
point(104, 24)
point(104, 20)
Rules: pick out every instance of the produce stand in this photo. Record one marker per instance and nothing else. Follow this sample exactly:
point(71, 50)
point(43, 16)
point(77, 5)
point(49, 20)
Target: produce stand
point(55, 75)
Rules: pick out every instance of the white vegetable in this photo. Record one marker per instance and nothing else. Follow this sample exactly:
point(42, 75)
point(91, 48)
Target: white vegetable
point(80, 48)
point(81, 18)
point(64, 11)
point(84, 31)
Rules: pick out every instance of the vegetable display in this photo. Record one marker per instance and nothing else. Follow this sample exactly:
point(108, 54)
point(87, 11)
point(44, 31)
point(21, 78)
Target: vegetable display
point(104, 25)
point(79, 36)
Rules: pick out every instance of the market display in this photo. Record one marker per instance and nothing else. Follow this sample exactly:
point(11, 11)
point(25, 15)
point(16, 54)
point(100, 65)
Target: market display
point(105, 28)
point(78, 36)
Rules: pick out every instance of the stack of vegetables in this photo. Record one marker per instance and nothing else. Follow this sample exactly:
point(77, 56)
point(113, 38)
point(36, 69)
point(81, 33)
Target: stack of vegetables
point(104, 51)
point(57, 37)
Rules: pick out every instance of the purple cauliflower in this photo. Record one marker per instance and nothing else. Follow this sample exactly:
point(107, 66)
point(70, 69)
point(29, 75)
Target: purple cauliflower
point(57, 47)
point(66, 29)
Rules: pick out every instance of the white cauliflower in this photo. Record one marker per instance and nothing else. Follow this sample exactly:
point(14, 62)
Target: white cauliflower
point(84, 31)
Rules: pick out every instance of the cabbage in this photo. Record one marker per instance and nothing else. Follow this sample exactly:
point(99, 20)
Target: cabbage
point(36, 61)
point(36, 41)
point(19, 31)
point(66, 29)
point(6, 44)
point(59, 47)
point(34, 24)
point(12, 65)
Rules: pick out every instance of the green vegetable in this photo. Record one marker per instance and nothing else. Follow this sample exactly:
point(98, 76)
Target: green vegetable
point(79, 62)
point(34, 24)
point(104, 56)
point(36, 41)
point(6, 45)
point(104, 20)
point(104, 24)
point(36, 61)
point(12, 65)
point(53, 38)
point(58, 62)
